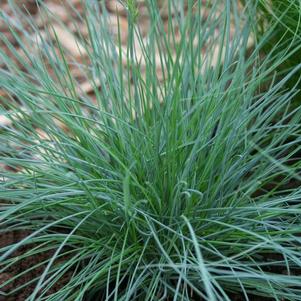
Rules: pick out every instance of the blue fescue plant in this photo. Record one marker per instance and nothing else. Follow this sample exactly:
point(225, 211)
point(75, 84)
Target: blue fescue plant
point(285, 17)
point(176, 180)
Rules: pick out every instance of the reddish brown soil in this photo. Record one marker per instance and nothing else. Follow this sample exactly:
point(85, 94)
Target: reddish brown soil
point(22, 265)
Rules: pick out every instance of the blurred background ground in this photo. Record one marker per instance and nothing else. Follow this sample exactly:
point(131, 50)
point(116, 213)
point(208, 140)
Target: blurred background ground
point(67, 28)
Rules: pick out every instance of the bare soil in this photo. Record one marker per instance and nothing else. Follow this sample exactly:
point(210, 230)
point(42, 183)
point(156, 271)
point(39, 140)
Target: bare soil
point(21, 295)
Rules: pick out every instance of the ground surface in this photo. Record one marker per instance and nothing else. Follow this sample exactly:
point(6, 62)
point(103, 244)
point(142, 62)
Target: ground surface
point(23, 265)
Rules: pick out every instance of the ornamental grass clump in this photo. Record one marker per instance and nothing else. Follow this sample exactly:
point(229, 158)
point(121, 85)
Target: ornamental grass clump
point(177, 178)
point(285, 15)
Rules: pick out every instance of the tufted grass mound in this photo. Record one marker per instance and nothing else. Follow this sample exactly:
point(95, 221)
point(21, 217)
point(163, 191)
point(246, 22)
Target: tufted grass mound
point(178, 180)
